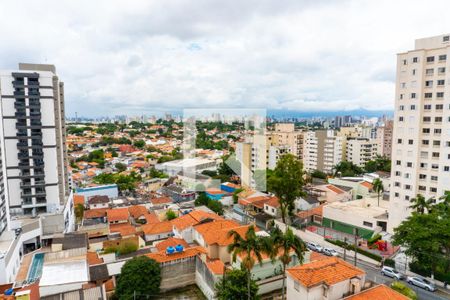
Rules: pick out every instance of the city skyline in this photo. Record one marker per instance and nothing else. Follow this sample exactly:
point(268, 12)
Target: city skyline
point(168, 59)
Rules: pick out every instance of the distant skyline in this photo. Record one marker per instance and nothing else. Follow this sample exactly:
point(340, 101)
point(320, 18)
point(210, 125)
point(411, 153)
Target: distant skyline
point(145, 57)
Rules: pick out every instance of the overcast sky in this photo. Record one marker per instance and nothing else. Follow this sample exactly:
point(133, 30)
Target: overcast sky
point(136, 57)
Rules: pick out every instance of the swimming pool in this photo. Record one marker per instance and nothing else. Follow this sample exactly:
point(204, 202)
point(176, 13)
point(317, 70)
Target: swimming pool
point(35, 270)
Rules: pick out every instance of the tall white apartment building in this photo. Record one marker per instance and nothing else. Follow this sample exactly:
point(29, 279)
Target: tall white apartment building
point(34, 159)
point(421, 141)
point(285, 136)
point(360, 150)
point(322, 150)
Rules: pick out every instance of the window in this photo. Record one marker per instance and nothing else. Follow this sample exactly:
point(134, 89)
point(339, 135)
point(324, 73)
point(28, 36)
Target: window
point(409, 164)
point(440, 95)
point(433, 189)
point(442, 57)
point(397, 195)
point(368, 224)
point(427, 119)
point(434, 178)
point(407, 186)
point(400, 119)
point(441, 82)
point(434, 166)
point(422, 188)
point(425, 142)
point(398, 162)
point(414, 72)
point(405, 62)
point(435, 154)
point(427, 106)
point(296, 285)
point(436, 143)
point(401, 96)
point(446, 168)
point(425, 130)
point(396, 183)
point(429, 71)
point(430, 59)
point(413, 95)
point(437, 130)
point(399, 141)
point(423, 165)
point(439, 106)
point(446, 38)
point(438, 119)
point(401, 107)
point(403, 85)
point(429, 83)
point(398, 173)
point(415, 59)
point(410, 142)
point(441, 70)
point(447, 144)
point(422, 176)
point(407, 198)
point(413, 107)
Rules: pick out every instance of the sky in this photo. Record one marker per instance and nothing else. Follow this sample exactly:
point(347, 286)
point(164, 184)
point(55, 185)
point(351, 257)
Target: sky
point(146, 57)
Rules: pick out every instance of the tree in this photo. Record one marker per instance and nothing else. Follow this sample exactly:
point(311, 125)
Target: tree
point(286, 182)
point(215, 206)
point(284, 242)
point(249, 248)
point(139, 144)
point(347, 169)
point(79, 211)
point(120, 167)
point(202, 199)
point(170, 214)
point(420, 204)
point(234, 286)
point(404, 290)
point(140, 276)
point(378, 188)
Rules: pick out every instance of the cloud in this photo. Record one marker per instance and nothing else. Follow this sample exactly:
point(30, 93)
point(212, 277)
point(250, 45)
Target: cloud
point(152, 56)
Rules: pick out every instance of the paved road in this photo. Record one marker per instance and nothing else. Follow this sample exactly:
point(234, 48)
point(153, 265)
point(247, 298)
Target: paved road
point(373, 274)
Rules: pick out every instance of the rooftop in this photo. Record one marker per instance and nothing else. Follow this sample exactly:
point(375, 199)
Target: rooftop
point(379, 292)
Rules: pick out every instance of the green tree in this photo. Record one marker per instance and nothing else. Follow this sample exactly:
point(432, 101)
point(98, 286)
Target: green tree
point(378, 188)
point(215, 206)
point(420, 204)
point(250, 247)
point(140, 276)
point(347, 169)
point(139, 144)
point(234, 285)
point(286, 182)
point(170, 214)
point(79, 211)
point(404, 290)
point(202, 199)
point(120, 167)
point(284, 243)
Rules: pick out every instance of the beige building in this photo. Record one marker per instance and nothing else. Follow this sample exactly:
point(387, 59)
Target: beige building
point(421, 142)
point(360, 150)
point(384, 138)
point(322, 150)
point(286, 136)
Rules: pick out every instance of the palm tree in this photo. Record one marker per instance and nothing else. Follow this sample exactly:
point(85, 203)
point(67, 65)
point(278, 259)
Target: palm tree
point(378, 188)
point(284, 243)
point(421, 205)
point(251, 246)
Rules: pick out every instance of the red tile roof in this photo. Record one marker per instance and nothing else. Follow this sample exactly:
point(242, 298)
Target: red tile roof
point(95, 213)
point(93, 258)
point(125, 229)
point(117, 214)
point(379, 292)
point(156, 228)
point(137, 211)
point(161, 200)
point(209, 231)
point(152, 218)
point(367, 185)
point(193, 218)
point(318, 211)
point(335, 189)
point(329, 271)
point(216, 266)
point(171, 242)
point(162, 256)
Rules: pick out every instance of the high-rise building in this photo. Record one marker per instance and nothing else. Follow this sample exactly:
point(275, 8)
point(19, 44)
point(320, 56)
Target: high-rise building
point(34, 156)
point(285, 136)
point(322, 150)
point(421, 142)
point(384, 138)
point(360, 150)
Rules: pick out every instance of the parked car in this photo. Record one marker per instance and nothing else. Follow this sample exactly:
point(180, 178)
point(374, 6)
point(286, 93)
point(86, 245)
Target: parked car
point(314, 247)
point(330, 252)
point(391, 272)
point(421, 282)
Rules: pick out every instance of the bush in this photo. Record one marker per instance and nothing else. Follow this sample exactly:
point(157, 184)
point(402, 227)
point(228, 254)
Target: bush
point(374, 239)
point(404, 290)
point(352, 247)
point(419, 269)
point(389, 262)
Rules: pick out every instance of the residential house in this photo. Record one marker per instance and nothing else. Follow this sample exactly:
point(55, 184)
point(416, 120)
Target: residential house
point(378, 292)
point(329, 278)
point(183, 225)
point(157, 231)
point(117, 215)
point(96, 202)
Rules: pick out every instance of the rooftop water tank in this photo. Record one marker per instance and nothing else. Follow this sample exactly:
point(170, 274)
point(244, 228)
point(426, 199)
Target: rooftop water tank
point(179, 248)
point(170, 250)
point(9, 292)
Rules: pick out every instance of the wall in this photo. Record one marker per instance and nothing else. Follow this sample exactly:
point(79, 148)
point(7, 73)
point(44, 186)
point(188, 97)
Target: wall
point(178, 275)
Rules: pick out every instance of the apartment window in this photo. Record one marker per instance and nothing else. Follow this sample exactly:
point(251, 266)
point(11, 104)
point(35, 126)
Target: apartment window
point(435, 154)
point(441, 82)
point(434, 178)
point(402, 107)
point(434, 166)
point(446, 168)
point(410, 142)
point(413, 72)
point(442, 57)
point(403, 85)
point(396, 195)
point(438, 119)
point(446, 38)
point(422, 176)
point(425, 130)
point(413, 95)
point(441, 70)
point(413, 107)
point(429, 83)
point(409, 164)
point(423, 165)
point(448, 156)
point(398, 162)
point(407, 175)
point(407, 198)
point(422, 188)
point(447, 144)
point(427, 119)
point(368, 224)
point(407, 186)
point(415, 59)
point(399, 141)
point(425, 142)
point(397, 183)
point(440, 95)
point(405, 62)
point(436, 143)
point(400, 119)
point(429, 71)
point(433, 189)
point(427, 106)
point(428, 95)
point(439, 106)
point(398, 173)
point(430, 59)
point(437, 130)
point(401, 96)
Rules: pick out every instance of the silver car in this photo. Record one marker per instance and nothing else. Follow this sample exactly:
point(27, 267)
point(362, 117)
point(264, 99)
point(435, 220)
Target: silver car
point(314, 247)
point(391, 272)
point(421, 282)
point(330, 252)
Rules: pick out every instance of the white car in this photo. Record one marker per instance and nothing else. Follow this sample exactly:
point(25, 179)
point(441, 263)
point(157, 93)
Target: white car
point(314, 247)
point(330, 252)
point(421, 282)
point(391, 272)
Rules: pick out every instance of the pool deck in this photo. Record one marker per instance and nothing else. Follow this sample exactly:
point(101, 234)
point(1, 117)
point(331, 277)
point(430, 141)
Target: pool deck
point(27, 259)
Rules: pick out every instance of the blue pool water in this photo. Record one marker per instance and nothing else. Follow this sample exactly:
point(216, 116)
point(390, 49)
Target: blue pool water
point(35, 271)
